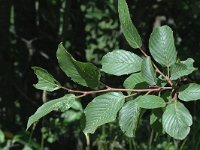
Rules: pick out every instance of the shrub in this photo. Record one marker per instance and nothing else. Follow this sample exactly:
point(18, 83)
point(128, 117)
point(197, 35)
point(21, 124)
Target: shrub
point(156, 82)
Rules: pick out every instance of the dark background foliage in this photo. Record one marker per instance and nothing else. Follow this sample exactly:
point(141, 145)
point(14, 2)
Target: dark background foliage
point(30, 31)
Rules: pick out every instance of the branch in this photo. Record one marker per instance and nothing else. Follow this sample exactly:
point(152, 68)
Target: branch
point(143, 52)
point(157, 69)
point(166, 77)
point(109, 89)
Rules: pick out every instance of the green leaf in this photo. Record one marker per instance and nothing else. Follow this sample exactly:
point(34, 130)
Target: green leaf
point(155, 120)
point(177, 120)
point(85, 74)
point(150, 101)
point(161, 81)
point(23, 139)
point(167, 96)
point(128, 118)
point(162, 47)
point(148, 71)
point(59, 104)
point(2, 137)
point(182, 69)
point(136, 81)
point(77, 105)
point(26, 147)
point(189, 63)
point(189, 92)
point(156, 115)
point(102, 109)
point(121, 62)
point(45, 80)
point(130, 32)
point(178, 70)
point(71, 116)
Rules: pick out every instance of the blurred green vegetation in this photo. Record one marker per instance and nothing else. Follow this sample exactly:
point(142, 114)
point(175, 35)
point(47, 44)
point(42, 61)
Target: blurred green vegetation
point(30, 31)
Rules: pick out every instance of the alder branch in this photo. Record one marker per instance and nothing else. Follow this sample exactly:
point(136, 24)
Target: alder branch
point(157, 69)
point(143, 52)
point(166, 77)
point(110, 89)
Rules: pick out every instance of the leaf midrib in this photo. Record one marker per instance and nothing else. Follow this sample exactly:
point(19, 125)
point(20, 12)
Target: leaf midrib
point(53, 83)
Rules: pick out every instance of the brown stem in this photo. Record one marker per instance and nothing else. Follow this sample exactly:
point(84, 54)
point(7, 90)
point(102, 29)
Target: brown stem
point(105, 85)
point(175, 96)
point(143, 52)
point(166, 77)
point(131, 95)
point(109, 89)
point(168, 71)
point(157, 69)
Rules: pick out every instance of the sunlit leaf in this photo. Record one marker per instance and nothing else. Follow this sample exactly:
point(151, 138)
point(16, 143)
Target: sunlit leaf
point(128, 118)
point(83, 73)
point(148, 71)
point(136, 81)
point(182, 68)
point(121, 62)
point(130, 32)
point(150, 101)
point(189, 92)
point(162, 47)
point(177, 120)
point(59, 104)
point(102, 109)
point(45, 80)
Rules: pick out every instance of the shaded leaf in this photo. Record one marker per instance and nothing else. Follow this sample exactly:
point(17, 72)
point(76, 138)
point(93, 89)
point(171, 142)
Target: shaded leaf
point(61, 104)
point(77, 105)
point(71, 116)
point(136, 81)
point(155, 120)
point(148, 71)
point(121, 62)
point(162, 47)
point(24, 139)
point(161, 81)
point(26, 147)
point(167, 96)
point(189, 92)
point(102, 109)
point(128, 118)
point(45, 80)
point(177, 120)
point(150, 101)
point(182, 68)
point(85, 74)
point(130, 32)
